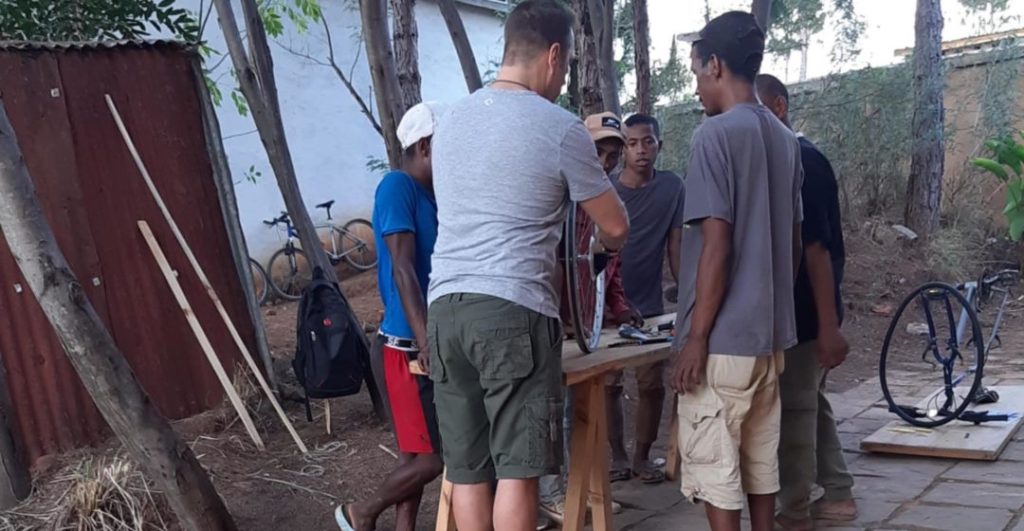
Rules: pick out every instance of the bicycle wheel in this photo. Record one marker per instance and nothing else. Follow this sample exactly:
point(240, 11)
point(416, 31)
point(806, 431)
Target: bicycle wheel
point(260, 284)
point(928, 373)
point(585, 281)
point(357, 244)
point(289, 273)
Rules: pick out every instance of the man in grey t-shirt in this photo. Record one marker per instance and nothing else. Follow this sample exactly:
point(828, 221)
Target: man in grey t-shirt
point(739, 258)
point(506, 161)
point(654, 200)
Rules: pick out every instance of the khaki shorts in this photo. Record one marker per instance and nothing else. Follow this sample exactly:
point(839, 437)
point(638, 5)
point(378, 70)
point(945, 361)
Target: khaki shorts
point(729, 431)
point(497, 373)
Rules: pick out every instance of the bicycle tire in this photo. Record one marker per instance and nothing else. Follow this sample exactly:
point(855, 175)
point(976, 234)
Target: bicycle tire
point(900, 409)
point(294, 280)
point(260, 282)
point(358, 245)
point(585, 289)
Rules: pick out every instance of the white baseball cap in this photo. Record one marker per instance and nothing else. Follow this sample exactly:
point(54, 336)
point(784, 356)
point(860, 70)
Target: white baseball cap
point(419, 122)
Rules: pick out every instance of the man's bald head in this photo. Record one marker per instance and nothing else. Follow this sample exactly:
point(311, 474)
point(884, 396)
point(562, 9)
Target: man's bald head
point(774, 95)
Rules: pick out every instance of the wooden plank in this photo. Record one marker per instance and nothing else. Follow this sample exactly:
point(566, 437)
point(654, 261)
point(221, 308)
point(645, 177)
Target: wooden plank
point(600, 485)
point(581, 459)
point(445, 515)
point(197, 329)
point(956, 440)
point(257, 373)
point(578, 367)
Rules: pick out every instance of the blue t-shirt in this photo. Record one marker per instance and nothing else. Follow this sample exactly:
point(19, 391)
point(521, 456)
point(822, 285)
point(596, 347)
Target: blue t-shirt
point(402, 205)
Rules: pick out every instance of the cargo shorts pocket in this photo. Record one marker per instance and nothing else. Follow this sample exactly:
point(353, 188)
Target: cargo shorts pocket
point(544, 416)
point(704, 432)
point(504, 350)
point(437, 373)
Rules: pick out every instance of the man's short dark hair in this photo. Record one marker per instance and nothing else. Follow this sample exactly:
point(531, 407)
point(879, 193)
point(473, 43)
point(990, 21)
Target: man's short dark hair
point(772, 87)
point(645, 119)
point(736, 40)
point(534, 26)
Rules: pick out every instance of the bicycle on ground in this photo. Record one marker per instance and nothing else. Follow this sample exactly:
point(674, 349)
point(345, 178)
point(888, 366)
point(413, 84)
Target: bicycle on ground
point(938, 383)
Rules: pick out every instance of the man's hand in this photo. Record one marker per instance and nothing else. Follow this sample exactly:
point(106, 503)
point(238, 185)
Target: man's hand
point(629, 317)
point(424, 358)
point(832, 348)
point(689, 366)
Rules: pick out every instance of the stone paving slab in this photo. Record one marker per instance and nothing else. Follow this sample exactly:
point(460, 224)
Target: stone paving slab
point(952, 518)
point(1009, 497)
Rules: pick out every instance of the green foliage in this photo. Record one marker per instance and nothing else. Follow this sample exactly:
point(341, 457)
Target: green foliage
point(792, 24)
point(848, 29)
point(300, 12)
point(670, 80)
point(1008, 166)
point(89, 20)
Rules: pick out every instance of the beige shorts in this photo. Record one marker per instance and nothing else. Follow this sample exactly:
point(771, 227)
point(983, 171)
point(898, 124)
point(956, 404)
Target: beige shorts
point(729, 431)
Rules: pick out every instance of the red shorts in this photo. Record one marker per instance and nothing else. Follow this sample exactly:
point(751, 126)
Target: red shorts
point(412, 404)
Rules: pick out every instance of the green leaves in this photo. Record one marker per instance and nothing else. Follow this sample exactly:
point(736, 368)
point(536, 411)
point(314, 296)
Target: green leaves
point(87, 20)
point(1008, 154)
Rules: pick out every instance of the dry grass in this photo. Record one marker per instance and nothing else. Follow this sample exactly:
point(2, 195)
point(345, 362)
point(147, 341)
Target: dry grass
point(99, 494)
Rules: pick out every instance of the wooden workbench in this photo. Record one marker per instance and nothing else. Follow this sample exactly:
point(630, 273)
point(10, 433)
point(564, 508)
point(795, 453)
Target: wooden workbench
point(588, 462)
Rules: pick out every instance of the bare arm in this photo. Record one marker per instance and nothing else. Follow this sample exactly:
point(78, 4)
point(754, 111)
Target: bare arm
point(712, 276)
point(402, 247)
point(832, 346)
point(675, 240)
point(797, 248)
point(609, 214)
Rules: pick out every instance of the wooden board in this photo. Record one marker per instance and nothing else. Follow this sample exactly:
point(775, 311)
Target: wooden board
point(956, 440)
point(579, 367)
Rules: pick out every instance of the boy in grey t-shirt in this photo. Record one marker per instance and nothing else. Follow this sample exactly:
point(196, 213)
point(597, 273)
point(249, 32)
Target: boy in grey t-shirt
point(739, 258)
point(506, 160)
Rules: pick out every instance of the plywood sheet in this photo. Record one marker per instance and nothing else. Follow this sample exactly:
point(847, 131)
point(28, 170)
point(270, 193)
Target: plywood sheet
point(956, 440)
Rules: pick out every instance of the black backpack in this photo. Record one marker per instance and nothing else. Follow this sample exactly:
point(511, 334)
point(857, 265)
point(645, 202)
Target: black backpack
point(331, 356)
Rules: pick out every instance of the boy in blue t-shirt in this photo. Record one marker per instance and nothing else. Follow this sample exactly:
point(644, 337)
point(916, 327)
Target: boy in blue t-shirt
point(405, 222)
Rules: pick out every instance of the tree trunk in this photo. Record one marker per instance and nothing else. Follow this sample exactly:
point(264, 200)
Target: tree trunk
point(407, 58)
point(255, 72)
point(453, 20)
point(15, 480)
point(642, 36)
point(590, 96)
point(384, 73)
point(924, 187)
point(602, 20)
point(106, 375)
point(762, 10)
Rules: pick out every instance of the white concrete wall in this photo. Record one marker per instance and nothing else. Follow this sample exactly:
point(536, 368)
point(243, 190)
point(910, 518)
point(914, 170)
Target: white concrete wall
point(330, 138)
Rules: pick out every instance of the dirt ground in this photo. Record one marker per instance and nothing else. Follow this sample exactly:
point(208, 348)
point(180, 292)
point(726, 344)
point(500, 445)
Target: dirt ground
point(280, 489)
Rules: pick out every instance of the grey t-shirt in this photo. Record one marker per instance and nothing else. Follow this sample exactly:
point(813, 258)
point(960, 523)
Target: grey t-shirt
point(505, 165)
point(745, 169)
point(654, 210)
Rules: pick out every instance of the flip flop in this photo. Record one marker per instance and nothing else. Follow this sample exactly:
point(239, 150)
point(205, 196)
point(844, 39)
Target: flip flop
point(649, 475)
point(341, 518)
point(622, 474)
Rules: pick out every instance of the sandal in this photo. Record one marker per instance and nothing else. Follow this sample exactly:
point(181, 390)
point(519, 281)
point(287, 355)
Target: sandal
point(622, 474)
point(341, 517)
point(649, 474)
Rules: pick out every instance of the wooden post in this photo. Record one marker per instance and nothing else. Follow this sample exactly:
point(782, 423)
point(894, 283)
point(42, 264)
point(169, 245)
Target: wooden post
point(445, 515)
point(106, 375)
point(600, 485)
point(197, 329)
point(242, 347)
point(15, 481)
point(581, 459)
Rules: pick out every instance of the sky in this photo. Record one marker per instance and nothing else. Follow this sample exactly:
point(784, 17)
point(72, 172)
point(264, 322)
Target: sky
point(890, 26)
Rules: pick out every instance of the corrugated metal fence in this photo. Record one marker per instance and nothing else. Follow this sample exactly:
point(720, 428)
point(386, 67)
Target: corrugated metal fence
point(92, 195)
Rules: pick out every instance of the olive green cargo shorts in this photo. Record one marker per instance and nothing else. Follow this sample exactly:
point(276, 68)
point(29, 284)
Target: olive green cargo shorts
point(497, 373)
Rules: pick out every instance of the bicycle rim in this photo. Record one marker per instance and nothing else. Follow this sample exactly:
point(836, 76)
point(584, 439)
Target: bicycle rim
point(358, 245)
point(260, 283)
point(290, 273)
point(928, 374)
point(585, 288)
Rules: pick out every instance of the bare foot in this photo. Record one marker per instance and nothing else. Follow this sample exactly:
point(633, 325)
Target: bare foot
point(837, 511)
point(789, 524)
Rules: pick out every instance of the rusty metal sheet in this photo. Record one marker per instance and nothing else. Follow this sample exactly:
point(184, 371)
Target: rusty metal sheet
point(93, 195)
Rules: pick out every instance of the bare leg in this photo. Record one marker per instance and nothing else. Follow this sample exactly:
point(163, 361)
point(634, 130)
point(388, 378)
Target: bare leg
point(762, 511)
point(406, 512)
point(722, 519)
point(404, 483)
point(473, 506)
point(515, 505)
